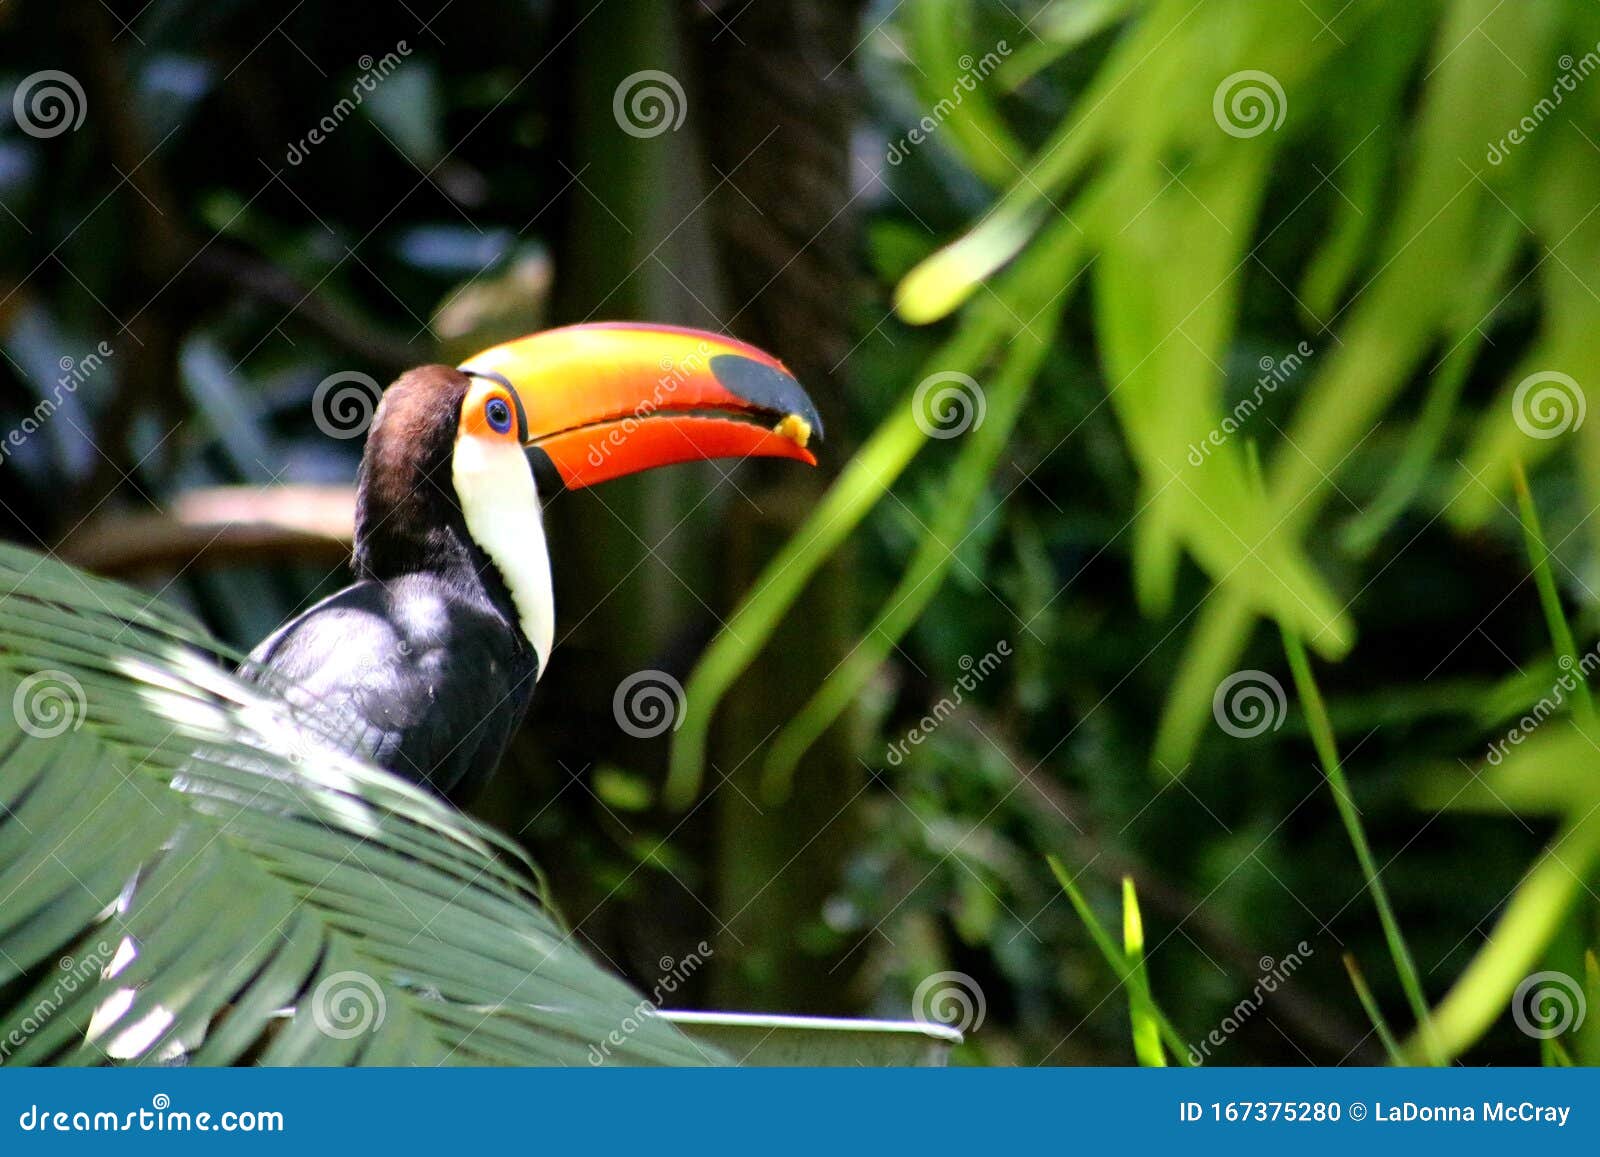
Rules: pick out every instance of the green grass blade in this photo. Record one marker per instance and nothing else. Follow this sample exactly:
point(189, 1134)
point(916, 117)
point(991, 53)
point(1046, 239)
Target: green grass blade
point(1549, 598)
point(952, 524)
point(1327, 751)
point(951, 82)
point(1221, 632)
point(1588, 1033)
point(1141, 1008)
point(1363, 531)
point(1531, 918)
point(1553, 1054)
point(1117, 958)
point(859, 487)
point(1374, 1013)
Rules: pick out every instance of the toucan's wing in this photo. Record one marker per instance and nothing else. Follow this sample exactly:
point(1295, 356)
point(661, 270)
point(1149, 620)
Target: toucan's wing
point(408, 675)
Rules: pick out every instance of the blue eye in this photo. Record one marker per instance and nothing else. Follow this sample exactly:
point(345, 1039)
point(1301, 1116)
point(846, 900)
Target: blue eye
point(498, 414)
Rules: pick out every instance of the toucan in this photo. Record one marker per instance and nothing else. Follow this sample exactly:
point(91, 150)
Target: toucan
point(426, 664)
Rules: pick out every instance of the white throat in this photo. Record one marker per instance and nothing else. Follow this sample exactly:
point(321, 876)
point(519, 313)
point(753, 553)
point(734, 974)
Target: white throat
point(494, 484)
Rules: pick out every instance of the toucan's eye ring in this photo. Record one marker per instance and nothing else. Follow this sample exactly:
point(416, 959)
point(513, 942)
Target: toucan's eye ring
point(498, 415)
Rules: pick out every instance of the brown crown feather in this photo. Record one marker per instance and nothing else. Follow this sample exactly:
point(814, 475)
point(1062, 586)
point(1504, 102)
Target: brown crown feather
point(407, 514)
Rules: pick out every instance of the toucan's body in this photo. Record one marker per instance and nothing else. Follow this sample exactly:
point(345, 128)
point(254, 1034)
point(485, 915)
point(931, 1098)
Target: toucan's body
point(427, 664)
point(396, 672)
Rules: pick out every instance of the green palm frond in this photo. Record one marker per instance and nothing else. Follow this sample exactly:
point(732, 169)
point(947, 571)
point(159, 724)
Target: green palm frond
point(181, 861)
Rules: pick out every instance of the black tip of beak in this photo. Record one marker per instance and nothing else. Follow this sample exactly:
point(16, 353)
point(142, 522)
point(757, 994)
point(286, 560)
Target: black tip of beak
point(765, 388)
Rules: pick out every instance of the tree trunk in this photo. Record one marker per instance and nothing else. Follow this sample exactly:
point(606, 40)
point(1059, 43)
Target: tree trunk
point(777, 75)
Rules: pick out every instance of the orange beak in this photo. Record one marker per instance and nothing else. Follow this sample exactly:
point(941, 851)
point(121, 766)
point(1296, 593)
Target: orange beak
point(608, 399)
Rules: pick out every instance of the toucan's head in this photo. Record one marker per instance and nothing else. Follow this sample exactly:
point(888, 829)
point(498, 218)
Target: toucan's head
point(452, 454)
